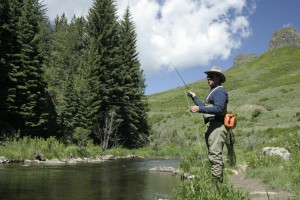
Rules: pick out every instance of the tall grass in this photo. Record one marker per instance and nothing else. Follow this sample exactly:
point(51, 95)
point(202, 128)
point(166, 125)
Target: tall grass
point(29, 148)
point(201, 187)
point(168, 150)
point(264, 167)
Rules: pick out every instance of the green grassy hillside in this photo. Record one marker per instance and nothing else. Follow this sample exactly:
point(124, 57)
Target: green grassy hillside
point(262, 93)
point(265, 96)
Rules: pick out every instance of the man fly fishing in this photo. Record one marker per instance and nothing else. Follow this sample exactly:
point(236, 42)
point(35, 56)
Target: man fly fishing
point(214, 109)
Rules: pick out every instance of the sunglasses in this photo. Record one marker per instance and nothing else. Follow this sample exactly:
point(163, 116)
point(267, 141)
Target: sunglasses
point(211, 76)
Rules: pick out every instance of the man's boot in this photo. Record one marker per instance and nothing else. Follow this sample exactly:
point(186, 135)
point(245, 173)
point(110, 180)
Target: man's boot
point(216, 182)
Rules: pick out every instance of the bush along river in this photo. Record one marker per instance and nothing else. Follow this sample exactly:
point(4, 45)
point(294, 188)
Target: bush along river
point(112, 179)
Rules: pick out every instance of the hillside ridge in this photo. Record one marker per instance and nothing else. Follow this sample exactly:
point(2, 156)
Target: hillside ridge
point(283, 37)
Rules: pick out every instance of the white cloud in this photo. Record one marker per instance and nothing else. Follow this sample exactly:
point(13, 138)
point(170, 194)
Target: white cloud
point(186, 32)
point(69, 7)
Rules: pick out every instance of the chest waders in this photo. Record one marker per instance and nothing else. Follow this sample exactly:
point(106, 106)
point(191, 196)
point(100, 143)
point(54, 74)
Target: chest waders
point(216, 136)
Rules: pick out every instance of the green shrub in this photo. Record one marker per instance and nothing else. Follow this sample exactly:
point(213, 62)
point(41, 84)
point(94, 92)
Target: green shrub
point(92, 150)
point(242, 118)
point(298, 116)
point(81, 136)
point(73, 151)
point(283, 90)
point(264, 99)
point(256, 113)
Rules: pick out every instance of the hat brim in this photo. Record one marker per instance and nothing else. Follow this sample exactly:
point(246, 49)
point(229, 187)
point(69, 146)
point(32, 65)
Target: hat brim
point(222, 76)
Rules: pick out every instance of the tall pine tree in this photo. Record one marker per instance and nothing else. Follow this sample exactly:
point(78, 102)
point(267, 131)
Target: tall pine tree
point(31, 99)
point(10, 60)
point(7, 37)
point(134, 110)
point(116, 80)
point(24, 103)
point(104, 60)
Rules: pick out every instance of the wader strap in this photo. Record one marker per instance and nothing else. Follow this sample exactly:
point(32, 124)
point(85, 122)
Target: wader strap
point(211, 93)
point(213, 117)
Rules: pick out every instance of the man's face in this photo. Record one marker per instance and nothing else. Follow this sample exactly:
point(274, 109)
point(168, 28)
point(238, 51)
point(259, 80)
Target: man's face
point(212, 79)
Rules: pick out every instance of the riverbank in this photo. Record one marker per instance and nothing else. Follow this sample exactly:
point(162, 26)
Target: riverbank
point(44, 152)
point(38, 160)
point(257, 189)
point(39, 152)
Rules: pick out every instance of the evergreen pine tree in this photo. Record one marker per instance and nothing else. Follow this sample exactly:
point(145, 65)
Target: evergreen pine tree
point(69, 107)
point(64, 74)
point(7, 37)
point(104, 61)
point(10, 12)
point(57, 62)
point(134, 110)
point(78, 45)
point(31, 96)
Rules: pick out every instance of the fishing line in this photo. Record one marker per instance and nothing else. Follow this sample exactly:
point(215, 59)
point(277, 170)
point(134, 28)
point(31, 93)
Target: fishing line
point(180, 76)
point(188, 103)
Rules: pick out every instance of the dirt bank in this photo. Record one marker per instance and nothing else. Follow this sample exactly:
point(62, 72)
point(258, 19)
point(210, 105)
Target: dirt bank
point(257, 189)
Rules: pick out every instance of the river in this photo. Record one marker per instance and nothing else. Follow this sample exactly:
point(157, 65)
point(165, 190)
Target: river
point(116, 179)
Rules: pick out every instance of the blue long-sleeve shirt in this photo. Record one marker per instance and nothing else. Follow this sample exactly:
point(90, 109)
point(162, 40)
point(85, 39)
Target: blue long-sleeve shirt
point(218, 99)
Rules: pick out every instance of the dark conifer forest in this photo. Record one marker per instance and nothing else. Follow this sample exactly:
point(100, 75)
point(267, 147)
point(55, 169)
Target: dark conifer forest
point(71, 78)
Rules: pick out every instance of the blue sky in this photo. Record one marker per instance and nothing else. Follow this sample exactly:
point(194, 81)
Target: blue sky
point(194, 35)
point(269, 16)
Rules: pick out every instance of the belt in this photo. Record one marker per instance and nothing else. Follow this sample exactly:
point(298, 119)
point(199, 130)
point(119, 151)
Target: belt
point(214, 119)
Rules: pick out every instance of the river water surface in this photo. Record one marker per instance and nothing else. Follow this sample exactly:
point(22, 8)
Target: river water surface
point(117, 179)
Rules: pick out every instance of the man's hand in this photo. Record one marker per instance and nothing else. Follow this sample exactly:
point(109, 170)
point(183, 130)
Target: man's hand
point(191, 94)
point(194, 109)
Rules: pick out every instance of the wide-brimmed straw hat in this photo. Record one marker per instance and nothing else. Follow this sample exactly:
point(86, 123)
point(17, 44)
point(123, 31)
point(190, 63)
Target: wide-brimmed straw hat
point(217, 70)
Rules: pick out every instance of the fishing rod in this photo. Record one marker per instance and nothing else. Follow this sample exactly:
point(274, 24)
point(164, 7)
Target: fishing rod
point(188, 94)
point(179, 76)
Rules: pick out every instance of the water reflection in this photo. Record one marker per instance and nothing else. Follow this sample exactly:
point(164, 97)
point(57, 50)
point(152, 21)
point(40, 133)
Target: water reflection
point(118, 179)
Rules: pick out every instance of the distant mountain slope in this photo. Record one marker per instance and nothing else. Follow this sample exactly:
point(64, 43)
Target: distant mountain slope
point(284, 37)
point(272, 69)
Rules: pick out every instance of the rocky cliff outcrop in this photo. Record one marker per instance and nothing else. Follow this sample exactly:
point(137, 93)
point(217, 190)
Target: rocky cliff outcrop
point(287, 36)
point(243, 58)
